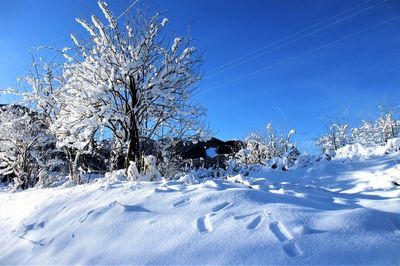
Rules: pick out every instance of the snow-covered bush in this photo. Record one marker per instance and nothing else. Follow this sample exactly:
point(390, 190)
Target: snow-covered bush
point(366, 135)
point(268, 149)
point(336, 138)
point(393, 145)
point(370, 138)
point(150, 168)
point(170, 162)
point(379, 132)
point(24, 145)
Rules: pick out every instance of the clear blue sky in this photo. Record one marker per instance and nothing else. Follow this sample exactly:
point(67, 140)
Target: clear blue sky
point(344, 81)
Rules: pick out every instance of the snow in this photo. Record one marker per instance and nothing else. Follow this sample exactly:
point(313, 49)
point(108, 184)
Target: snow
point(164, 22)
point(333, 212)
point(357, 151)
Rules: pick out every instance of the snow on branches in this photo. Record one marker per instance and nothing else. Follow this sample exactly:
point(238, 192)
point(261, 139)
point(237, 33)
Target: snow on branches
point(130, 84)
point(23, 143)
point(278, 149)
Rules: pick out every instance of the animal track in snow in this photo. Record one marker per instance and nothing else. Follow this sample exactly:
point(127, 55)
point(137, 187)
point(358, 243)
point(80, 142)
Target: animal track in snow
point(83, 219)
point(34, 226)
point(283, 235)
point(94, 213)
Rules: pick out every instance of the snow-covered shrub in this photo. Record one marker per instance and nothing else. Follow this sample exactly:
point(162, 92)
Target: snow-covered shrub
point(133, 172)
point(336, 138)
point(379, 132)
point(150, 168)
point(42, 97)
point(393, 145)
point(366, 135)
point(188, 179)
point(170, 162)
point(268, 150)
point(24, 145)
point(388, 127)
point(306, 160)
point(370, 139)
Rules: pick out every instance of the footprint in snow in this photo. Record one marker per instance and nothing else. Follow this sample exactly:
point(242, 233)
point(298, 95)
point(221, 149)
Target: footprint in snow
point(280, 231)
point(135, 208)
point(203, 224)
point(221, 206)
point(239, 217)
point(283, 235)
point(291, 249)
point(180, 203)
point(255, 223)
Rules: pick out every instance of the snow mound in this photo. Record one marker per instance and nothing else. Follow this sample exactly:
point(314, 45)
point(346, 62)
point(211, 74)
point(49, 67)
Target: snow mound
point(358, 151)
point(329, 213)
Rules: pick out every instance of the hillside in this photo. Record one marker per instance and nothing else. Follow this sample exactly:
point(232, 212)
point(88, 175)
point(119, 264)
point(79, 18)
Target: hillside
point(333, 212)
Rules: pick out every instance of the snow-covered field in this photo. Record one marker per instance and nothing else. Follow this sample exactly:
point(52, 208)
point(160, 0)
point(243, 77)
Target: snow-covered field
point(333, 212)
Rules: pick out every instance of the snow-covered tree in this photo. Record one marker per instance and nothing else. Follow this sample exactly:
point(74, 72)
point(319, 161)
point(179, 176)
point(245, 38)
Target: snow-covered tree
point(336, 138)
point(378, 132)
point(366, 134)
point(128, 83)
point(40, 92)
point(261, 148)
point(388, 127)
point(24, 141)
point(43, 81)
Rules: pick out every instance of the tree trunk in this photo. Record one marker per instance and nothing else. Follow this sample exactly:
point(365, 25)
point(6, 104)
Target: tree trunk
point(73, 165)
point(133, 153)
point(134, 150)
point(75, 171)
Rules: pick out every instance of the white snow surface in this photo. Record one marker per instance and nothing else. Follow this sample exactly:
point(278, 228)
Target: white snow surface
point(334, 212)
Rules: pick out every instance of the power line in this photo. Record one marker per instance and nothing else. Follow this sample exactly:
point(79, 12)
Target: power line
point(301, 54)
point(126, 10)
point(292, 41)
point(285, 38)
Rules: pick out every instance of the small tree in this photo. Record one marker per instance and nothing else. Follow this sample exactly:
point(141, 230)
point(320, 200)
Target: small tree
point(23, 140)
point(365, 135)
point(378, 132)
point(387, 127)
point(260, 148)
point(336, 138)
point(131, 84)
